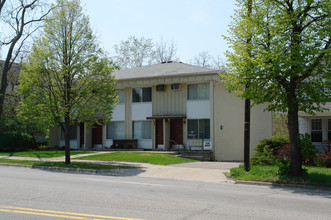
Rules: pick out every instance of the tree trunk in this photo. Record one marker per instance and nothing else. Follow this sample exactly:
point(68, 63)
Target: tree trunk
point(4, 84)
point(293, 127)
point(67, 140)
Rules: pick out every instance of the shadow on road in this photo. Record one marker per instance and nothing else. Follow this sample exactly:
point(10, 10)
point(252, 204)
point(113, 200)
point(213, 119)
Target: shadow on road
point(305, 190)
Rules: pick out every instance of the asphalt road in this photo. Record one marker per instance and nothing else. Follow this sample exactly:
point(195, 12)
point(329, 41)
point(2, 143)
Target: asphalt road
point(37, 194)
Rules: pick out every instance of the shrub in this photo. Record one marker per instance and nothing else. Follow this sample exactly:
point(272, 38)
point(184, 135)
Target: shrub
point(266, 150)
point(308, 151)
point(11, 141)
point(263, 158)
point(274, 143)
point(324, 158)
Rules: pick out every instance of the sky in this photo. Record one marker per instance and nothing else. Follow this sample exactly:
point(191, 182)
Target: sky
point(194, 25)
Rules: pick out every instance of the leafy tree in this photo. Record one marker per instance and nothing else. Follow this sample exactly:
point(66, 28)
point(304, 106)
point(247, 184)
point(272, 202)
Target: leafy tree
point(67, 77)
point(287, 62)
point(134, 52)
point(18, 19)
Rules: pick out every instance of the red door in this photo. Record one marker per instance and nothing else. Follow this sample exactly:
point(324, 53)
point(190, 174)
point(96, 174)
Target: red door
point(159, 132)
point(176, 131)
point(96, 135)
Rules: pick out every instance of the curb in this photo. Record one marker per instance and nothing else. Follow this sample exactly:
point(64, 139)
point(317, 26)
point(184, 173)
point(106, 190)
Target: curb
point(280, 185)
point(67, 169)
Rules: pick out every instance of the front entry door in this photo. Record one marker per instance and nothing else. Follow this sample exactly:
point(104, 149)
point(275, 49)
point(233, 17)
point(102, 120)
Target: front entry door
point(159, 132)
point(176, 132)
point(97, 135)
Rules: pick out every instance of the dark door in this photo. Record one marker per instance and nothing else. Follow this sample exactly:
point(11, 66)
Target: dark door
point(96, 135)
point(176, 131)
point(81, 138)
point(159, 132)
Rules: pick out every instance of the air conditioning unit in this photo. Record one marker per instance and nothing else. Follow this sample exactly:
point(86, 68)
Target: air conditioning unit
point(161, 87)
point(175, 86)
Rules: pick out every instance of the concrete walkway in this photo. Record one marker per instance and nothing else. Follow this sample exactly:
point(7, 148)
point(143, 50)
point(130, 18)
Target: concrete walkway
point(196, 171)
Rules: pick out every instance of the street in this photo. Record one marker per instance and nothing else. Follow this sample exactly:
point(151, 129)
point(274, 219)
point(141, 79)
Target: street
point(27, 193)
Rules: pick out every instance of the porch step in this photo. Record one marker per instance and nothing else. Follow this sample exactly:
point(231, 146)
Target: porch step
point(197, 155)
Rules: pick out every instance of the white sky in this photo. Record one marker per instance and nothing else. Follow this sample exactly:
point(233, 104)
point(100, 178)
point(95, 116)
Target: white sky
point(195, 25)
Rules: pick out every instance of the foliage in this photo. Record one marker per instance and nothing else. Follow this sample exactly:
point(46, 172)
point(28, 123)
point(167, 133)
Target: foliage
point(308, 151)
point(141, 157)
point(274, 143)
point(317, 176)
point(324, 158)
point(266, 150)
point(11, 141)
point(67, 77)
point(43, 153)
point(263, 157)
point(283, 167)
point(279, 125)
point(281, 56)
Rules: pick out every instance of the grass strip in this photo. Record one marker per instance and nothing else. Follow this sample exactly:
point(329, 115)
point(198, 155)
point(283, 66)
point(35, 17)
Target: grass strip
point(62, 164)
point(42, 154)
point(317, 176)
point(140, 157)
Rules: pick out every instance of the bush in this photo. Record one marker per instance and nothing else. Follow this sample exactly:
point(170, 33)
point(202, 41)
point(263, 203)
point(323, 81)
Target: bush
point(263, 158)
point(274, 143)
point(324, 158)
point(11, 141)
point(266, 150)
point(308, 151)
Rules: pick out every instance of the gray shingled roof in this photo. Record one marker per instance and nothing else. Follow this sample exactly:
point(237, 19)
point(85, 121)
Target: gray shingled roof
point(162, 70)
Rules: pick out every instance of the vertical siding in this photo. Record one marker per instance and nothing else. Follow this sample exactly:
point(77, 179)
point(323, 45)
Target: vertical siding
point(169, 102)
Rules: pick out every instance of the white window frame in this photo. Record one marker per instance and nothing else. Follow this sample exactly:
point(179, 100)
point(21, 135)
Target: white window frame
point(141, 135)
point(109, 134)
point(316, 130)
point(199, 96)
point(140, 91)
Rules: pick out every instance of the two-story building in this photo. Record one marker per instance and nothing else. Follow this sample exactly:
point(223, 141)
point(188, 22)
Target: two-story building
point(174, 106)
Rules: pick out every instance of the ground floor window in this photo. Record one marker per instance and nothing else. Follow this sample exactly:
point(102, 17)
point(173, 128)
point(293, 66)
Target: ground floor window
point(73, 132)
point(316, 130)
point(198, 128)
point(142, 129)
point(115, 130)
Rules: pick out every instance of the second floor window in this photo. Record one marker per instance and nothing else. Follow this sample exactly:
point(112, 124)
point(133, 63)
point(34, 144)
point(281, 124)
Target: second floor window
point(142, 94)
point(198, 91)
point(121, 95)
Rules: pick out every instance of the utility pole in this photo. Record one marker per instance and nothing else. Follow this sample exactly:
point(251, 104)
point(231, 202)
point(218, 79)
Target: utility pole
point(247, 101)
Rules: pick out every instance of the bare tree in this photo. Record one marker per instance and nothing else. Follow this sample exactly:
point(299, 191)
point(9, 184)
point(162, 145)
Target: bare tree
point(218, 63)
point(19, 19)
point(203, 59)
point(165, 51)
point(134, 52)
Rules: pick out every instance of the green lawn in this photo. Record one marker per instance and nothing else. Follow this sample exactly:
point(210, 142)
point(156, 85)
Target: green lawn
point(317, 176)
point(141, 157)
point(61, 164)
point(42, 154)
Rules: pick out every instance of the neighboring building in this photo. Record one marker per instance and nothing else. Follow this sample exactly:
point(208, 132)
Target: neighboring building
point(318, 126)
point(174, 106)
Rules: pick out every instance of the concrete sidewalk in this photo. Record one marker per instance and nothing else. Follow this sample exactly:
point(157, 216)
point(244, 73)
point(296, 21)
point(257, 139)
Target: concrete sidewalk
point(196, 171)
